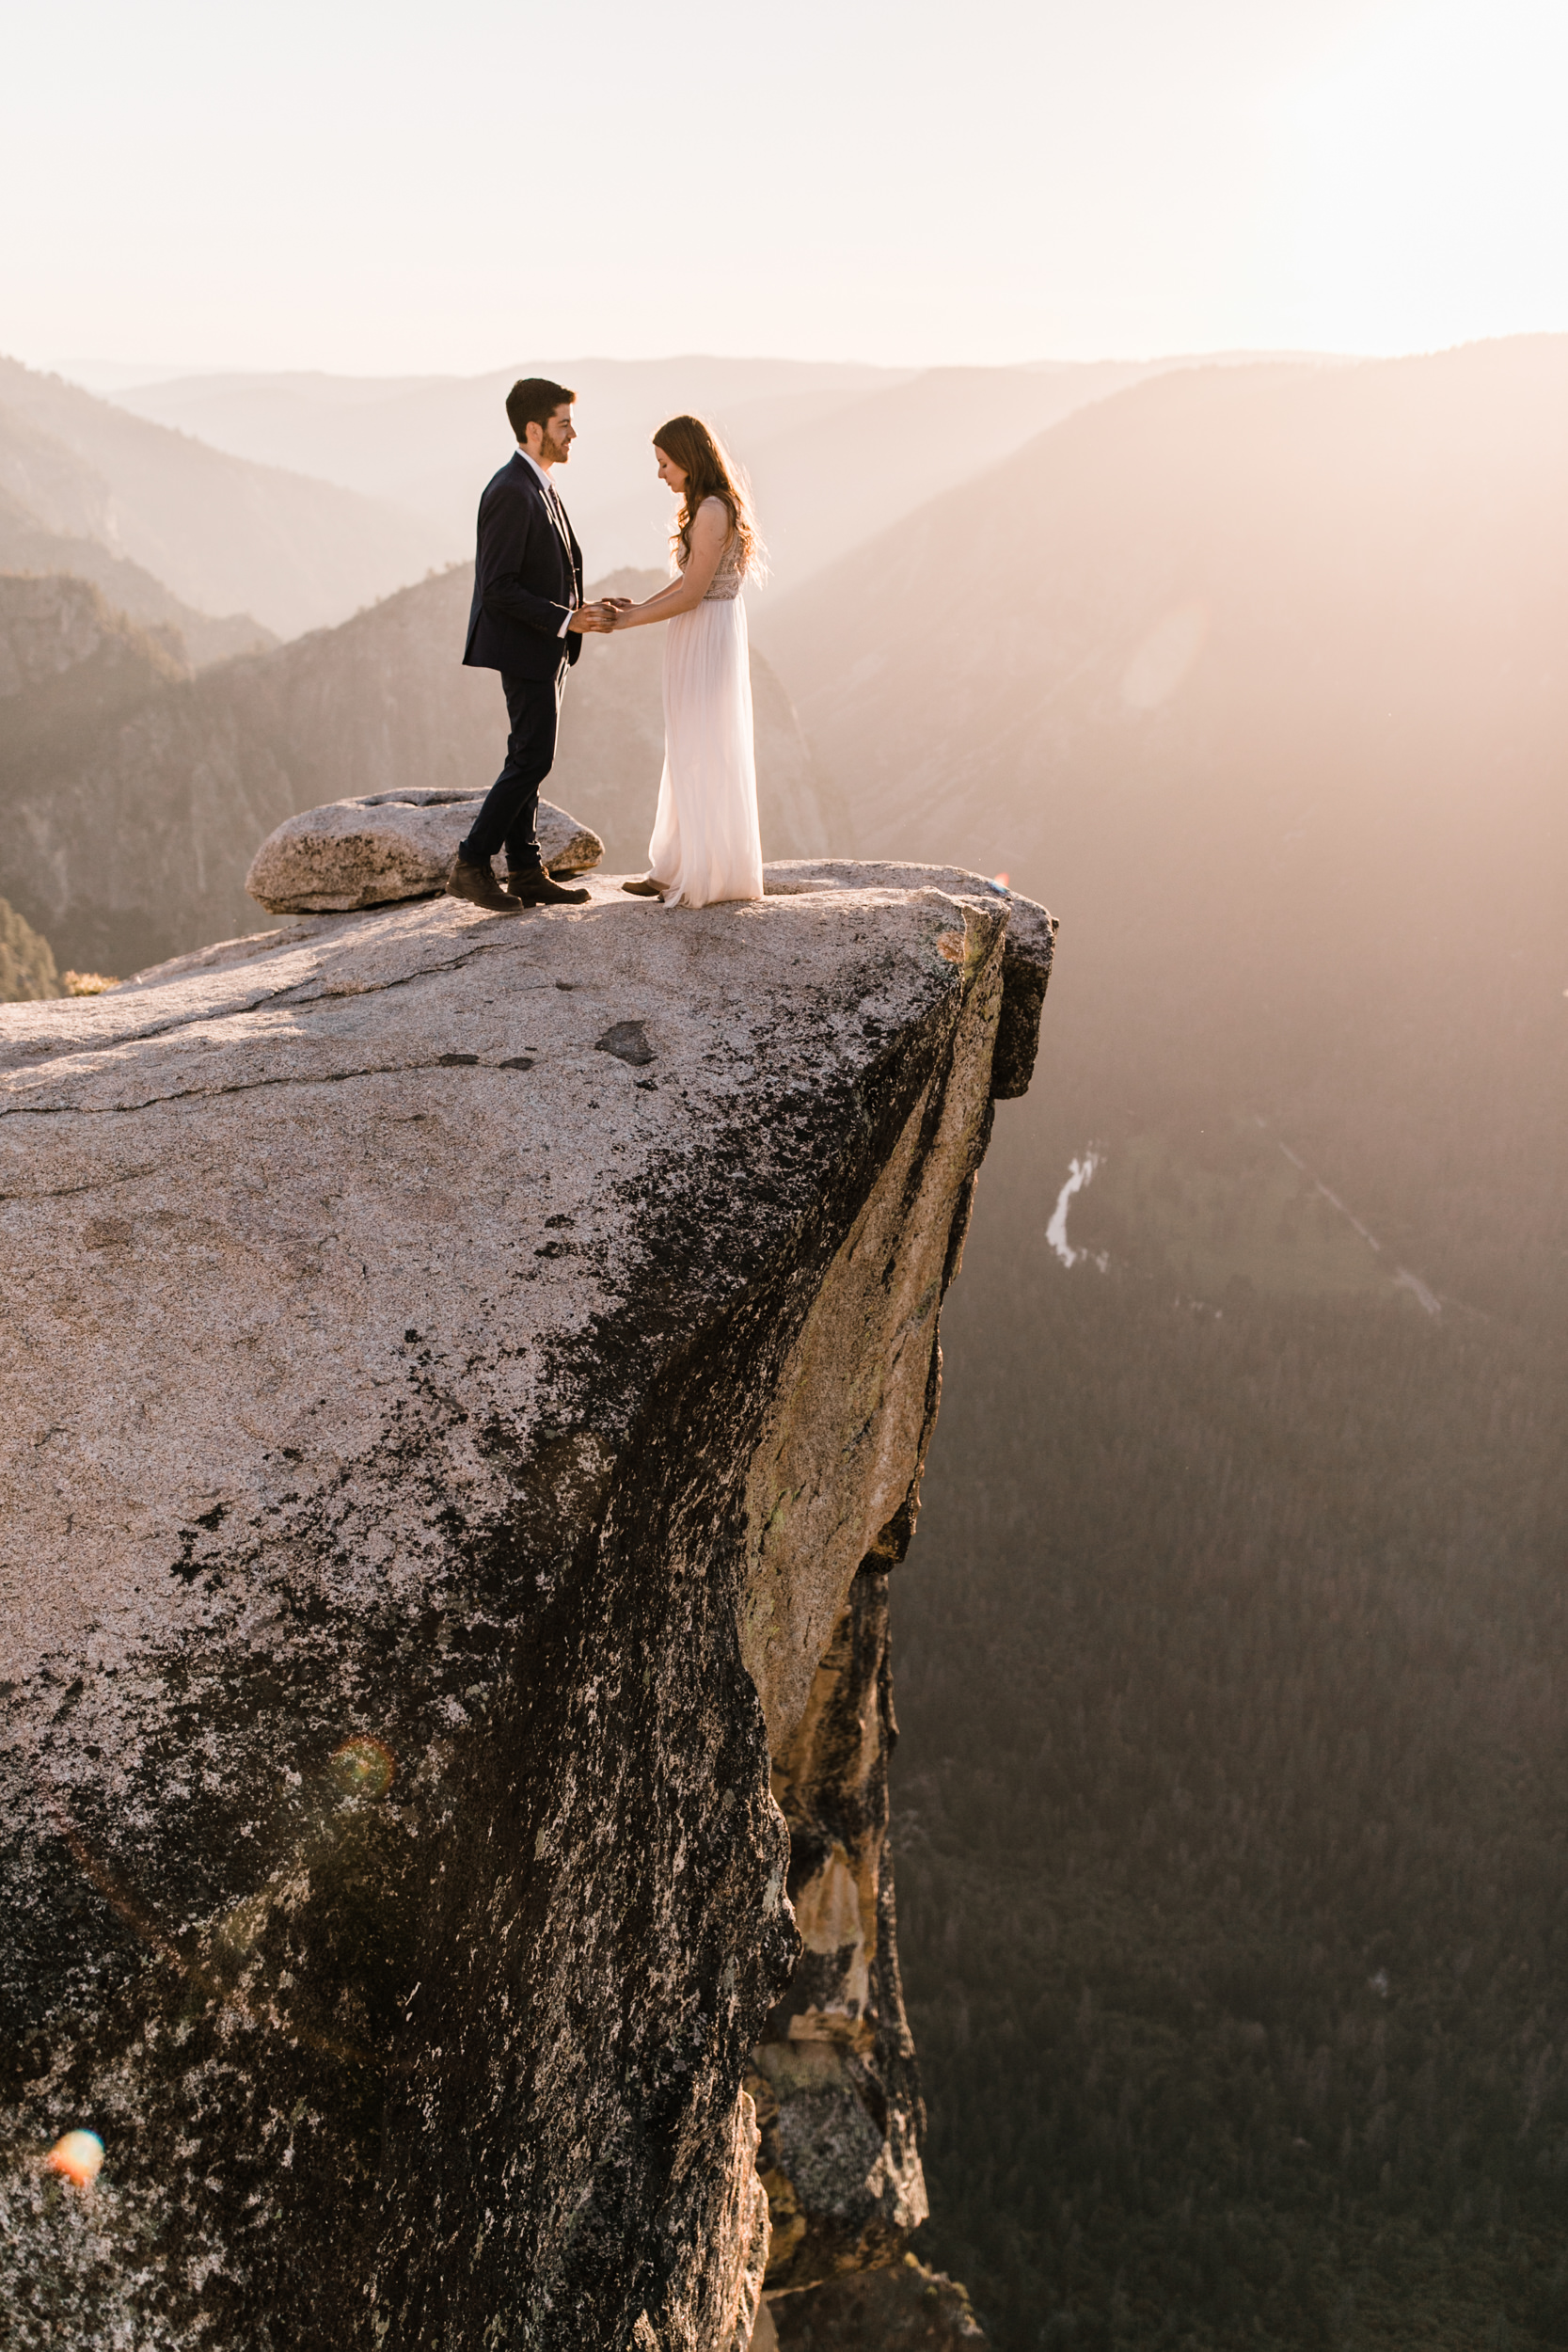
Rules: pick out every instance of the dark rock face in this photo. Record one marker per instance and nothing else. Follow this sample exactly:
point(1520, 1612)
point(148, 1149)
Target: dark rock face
point(905, 2309)
point(437, 1457)
point(835, 2084)
point(1026, 958)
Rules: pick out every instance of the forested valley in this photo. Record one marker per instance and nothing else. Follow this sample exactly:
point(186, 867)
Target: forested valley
point(1232, 1814)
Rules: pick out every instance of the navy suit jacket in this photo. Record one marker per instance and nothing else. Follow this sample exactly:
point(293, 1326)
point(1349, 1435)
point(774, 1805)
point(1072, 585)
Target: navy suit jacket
point(527, 576)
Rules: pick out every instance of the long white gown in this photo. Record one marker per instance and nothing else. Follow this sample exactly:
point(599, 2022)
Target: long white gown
point(705, 844)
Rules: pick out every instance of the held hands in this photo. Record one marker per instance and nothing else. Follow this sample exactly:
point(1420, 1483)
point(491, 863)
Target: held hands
point(598, 620)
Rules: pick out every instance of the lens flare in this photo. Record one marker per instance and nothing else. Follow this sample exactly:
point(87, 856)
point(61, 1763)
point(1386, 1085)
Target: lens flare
point(78, 2155)
point(364, 1767)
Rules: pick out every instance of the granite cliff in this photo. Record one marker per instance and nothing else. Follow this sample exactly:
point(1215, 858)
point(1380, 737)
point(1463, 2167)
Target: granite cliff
point(465, 1381)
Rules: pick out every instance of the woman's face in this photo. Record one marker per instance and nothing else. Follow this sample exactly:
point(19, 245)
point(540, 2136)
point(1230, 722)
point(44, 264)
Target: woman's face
point(669, 472)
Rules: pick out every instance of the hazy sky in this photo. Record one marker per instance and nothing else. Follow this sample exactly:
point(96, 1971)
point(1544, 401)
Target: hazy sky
point(422, 188)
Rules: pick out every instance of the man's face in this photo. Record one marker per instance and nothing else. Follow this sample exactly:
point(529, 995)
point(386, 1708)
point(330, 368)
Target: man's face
point(556, 437)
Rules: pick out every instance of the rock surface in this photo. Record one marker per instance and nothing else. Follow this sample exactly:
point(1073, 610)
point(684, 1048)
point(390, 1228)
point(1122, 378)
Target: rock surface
point(906, 2307)
point(391, 846)
point(834, 2076)
point(437, 1451)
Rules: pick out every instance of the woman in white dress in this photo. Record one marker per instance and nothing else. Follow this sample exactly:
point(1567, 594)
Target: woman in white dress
point(706, 845)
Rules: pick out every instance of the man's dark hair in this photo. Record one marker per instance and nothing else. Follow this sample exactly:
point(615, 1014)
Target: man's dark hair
point(535, 401)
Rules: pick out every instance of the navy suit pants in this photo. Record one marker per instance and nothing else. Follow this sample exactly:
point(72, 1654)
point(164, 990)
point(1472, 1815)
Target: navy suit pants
point(507, 814)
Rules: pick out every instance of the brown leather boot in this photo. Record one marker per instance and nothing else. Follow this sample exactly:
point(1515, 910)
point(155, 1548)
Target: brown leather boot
point(478, 885)
point(532, 887)
point(644, 888)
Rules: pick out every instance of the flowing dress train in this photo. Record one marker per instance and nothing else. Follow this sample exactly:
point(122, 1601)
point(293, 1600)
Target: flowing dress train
point(707, 845)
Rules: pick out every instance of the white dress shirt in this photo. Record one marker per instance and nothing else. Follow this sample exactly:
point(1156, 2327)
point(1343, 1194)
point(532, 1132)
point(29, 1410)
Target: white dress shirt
point(554, 497)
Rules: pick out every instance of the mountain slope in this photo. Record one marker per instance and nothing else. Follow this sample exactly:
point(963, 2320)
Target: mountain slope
point(1257, 674)
point(223, 534)
point(828, 478)
point(28, 546)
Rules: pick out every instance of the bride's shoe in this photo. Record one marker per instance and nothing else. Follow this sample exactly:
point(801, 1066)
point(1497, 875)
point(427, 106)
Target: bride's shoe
point(645, 888)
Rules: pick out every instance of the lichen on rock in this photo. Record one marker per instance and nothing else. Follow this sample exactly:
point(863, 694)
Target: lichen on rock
point(439, 1452)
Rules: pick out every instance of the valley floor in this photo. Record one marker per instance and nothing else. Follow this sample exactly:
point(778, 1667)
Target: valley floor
point(1233, 1876)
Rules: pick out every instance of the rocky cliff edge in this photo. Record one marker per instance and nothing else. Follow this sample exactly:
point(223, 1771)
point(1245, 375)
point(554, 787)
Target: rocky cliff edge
point(464, 1381)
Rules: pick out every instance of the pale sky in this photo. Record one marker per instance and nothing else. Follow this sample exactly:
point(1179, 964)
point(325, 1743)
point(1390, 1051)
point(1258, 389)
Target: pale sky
point(398, 187)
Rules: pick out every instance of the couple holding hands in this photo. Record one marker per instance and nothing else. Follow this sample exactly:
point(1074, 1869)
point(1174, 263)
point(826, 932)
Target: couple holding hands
point(528, 621)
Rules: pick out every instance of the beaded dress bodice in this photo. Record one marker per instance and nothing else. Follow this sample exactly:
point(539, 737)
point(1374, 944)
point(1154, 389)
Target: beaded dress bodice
point(727, 580)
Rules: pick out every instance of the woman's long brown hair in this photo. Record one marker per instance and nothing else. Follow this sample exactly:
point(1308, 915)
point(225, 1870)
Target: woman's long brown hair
point(710, 472)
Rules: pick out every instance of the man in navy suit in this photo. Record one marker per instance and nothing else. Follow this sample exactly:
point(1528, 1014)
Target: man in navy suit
point(528, 621)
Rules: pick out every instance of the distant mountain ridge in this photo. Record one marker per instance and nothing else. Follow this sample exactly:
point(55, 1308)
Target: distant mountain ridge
point(430, 444)
point(222, 534)
point(834, 451)
point(300, 497)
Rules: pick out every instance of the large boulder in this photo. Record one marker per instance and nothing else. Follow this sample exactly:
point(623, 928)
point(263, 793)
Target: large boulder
point(458, 1372)
point(389, 845)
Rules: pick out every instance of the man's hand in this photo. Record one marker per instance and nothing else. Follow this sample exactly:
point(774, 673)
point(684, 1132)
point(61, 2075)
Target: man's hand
point(592, 620)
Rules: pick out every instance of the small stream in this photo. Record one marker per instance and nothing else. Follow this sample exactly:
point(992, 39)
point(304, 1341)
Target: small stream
point(1080, 1174)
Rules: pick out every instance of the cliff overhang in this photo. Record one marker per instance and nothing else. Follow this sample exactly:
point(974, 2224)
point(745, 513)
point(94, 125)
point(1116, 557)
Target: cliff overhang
point(461, 1373)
